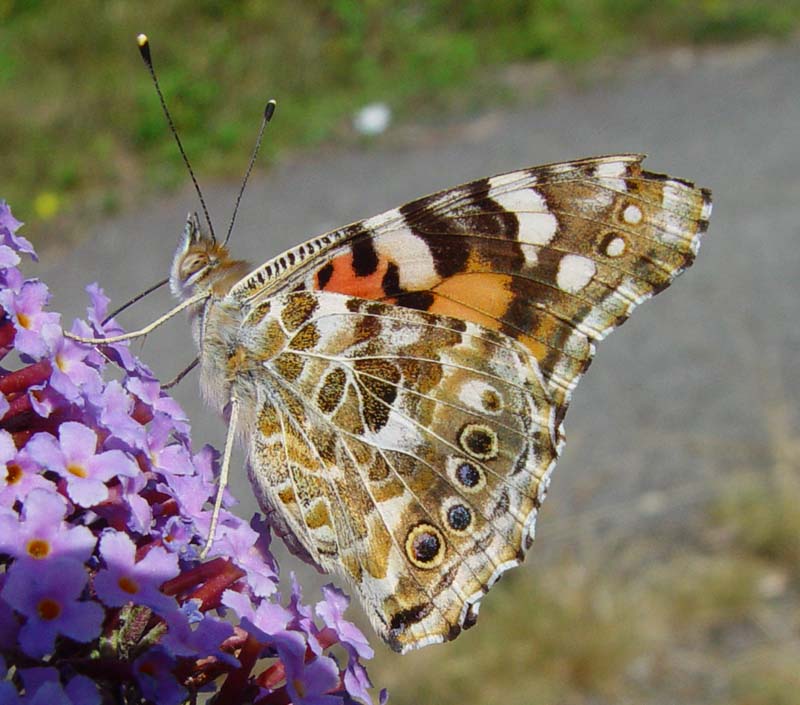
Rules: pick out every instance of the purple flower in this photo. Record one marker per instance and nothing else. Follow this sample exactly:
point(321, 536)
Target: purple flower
point(248, 549)
point(153, 672)
point(172, 457)
point(8, 693)
point(150, 392)
point(47, 593)
point(41, 533)
point(140, 512)
point(9, 625)
point(95, 314)
point(357, 682)
point(8, 258)
point(74, 457)
point(204, 639)
point(21, 473)
point(331, 609)
point(308, 682)
point(25, 309)
point(125, 580)
point(71, 376)
point(8, 226)
point(115, 407)
point(82, 691)
point(177, 533)
point(43, 687)
point(303, 615)
point(268, 622)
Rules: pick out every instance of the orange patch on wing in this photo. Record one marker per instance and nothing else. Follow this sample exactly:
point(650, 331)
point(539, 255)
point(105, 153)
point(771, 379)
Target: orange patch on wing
point(344, 280)
point(480, 298)
point(539, 350)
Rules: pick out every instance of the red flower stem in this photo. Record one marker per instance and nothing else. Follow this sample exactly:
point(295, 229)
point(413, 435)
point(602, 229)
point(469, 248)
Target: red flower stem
point(195, 673)
point(169, 508)
point(216, 576)
point(141, 412)
point(18, 406)
point(29, 376)
point(190, 578)
point(326, 638)
point(7, 332)
point(233, 689)
point(269, 678)
point(210, 594)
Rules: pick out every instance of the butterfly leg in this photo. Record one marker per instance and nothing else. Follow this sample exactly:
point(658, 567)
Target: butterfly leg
point(223, 475)
point(142, 331)
point(185, 371)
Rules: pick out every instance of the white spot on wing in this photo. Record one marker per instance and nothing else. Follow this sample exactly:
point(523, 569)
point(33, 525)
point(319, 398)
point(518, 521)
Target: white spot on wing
point(632, 215)
point(574, 273)
point(399, 244)
point(613, 172)
point(537, 225)
point(616, 247)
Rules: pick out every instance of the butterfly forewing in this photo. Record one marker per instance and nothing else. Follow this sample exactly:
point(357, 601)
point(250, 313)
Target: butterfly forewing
point(404, 378)
point(554, 256)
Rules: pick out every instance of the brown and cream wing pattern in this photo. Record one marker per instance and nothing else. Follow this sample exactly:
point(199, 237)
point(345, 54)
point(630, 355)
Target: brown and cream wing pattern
point(555, 256)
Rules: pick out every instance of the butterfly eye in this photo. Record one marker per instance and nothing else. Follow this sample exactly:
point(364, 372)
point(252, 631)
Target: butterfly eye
point(192, 264)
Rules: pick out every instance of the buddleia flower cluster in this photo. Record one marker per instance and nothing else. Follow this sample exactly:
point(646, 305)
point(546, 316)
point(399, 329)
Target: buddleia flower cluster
point(104, 509)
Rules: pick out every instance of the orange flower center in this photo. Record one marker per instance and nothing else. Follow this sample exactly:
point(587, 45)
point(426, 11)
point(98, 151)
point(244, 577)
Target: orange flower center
point(299, 687)
point(38, 548)
point(128, 585)
point(48, 609)
point(24, 320)
point(77, 470)
point(13, 474)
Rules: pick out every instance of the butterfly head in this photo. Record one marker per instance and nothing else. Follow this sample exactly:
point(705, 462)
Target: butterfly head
point(202, 264)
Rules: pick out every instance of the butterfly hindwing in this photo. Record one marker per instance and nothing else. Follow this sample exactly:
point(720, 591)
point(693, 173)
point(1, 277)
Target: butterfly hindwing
point(407, 450)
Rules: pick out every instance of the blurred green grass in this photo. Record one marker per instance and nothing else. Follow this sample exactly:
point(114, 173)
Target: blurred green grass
point(82, 132)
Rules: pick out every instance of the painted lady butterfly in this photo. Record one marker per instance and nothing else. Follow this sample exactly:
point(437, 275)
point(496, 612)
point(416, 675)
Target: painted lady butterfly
point(401, 383)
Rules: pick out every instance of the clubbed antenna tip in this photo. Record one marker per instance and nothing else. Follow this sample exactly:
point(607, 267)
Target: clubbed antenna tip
point(144, 47)
point(269, 111)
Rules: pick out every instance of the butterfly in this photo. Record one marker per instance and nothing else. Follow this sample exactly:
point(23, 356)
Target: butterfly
point(400, 384)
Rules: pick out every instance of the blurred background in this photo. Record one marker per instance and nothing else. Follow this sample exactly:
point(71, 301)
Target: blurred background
point(667, 562)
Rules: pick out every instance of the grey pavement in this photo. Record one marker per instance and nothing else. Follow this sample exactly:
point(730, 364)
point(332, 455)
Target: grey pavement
point(688, 390)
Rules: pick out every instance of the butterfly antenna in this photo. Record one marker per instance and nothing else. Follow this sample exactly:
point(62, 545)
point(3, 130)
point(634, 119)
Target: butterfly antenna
point(136, 298)
point(144, 50)
point(269, 111)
